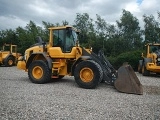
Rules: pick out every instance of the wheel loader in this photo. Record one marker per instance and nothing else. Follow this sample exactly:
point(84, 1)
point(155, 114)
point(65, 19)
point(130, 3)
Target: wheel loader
point(9, 55)
point(63, 55)
point(150, 62)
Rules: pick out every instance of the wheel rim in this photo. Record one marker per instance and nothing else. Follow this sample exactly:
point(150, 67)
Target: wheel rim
point(37, 72)
point(86, 75)
point(10, 62)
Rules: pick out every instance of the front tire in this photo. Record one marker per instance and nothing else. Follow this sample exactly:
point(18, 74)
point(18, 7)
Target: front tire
point(140, 66)
point(145, 72)
point(39, 72)
point(88, 74)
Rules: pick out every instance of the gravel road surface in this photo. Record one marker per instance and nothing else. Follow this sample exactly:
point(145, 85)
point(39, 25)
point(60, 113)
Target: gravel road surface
point(64, 100)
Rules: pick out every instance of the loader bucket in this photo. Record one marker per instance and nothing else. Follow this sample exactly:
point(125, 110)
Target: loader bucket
point(127, 81)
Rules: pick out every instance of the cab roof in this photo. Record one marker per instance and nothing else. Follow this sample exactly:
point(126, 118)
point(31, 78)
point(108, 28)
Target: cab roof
point(60, 27)
point(63, 27)
point(154, 44)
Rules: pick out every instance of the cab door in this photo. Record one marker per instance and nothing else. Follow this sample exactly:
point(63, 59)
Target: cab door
point(63, 44)
point(56, 51)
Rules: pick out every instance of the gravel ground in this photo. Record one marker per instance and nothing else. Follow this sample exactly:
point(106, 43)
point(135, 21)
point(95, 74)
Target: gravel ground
point(64, 100)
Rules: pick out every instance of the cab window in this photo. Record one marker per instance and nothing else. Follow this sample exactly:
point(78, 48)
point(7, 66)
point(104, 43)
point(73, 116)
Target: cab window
point(70, 42)
point(14, 49)
point(58, 38)
point(65, 39)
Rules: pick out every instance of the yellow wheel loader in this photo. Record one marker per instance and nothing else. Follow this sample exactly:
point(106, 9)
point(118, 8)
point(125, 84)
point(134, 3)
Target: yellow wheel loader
point(9, 55)
point(63, 55)
point(150, 61)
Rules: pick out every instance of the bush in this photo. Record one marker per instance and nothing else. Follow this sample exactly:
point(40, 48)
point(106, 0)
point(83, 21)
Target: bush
point(131, 57)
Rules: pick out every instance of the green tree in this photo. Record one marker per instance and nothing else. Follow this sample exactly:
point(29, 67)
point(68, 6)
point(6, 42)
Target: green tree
point(22, 38)
point(33, 31)
point(106, 34)
point(65, 23)
point(151, 27)
point(8, 36)
point(101, 33)
point(129, 32)
point(45, 30)
point(27, 35)
point(85, 24)
point(158, 28)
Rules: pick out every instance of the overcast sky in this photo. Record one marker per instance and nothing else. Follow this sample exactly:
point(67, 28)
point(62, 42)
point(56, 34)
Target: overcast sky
point(14, 13)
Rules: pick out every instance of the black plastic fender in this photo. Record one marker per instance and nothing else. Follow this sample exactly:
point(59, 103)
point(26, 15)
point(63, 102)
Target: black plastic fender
point(80, 59)
point(45, 55)
point(9, 55)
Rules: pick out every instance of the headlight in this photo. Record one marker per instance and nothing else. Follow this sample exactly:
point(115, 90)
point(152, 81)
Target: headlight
point(158, 59)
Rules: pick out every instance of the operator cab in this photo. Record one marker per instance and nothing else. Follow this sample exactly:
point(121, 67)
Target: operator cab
point(154, 49)
point(65, 39)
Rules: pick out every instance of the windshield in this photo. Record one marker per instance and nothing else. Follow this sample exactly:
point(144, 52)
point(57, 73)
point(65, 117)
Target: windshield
point(58, 36)
point(14, 49)
point(6, 48)
point(153, 48)
point(74, 36)
point(71, 37)
point(65, 38)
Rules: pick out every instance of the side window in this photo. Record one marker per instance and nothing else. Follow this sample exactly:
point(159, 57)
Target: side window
point(6, 48)
point(153, 49)
point(58, 38)
point(69, 40)
point(64, 38)
point(14, 49)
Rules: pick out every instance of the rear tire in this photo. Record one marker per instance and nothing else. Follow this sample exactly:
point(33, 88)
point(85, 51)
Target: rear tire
point(88, 74)
point(39, 72)
point(9, 62)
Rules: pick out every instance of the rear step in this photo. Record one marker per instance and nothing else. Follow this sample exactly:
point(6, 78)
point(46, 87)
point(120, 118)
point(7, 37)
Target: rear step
point(54, 76)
